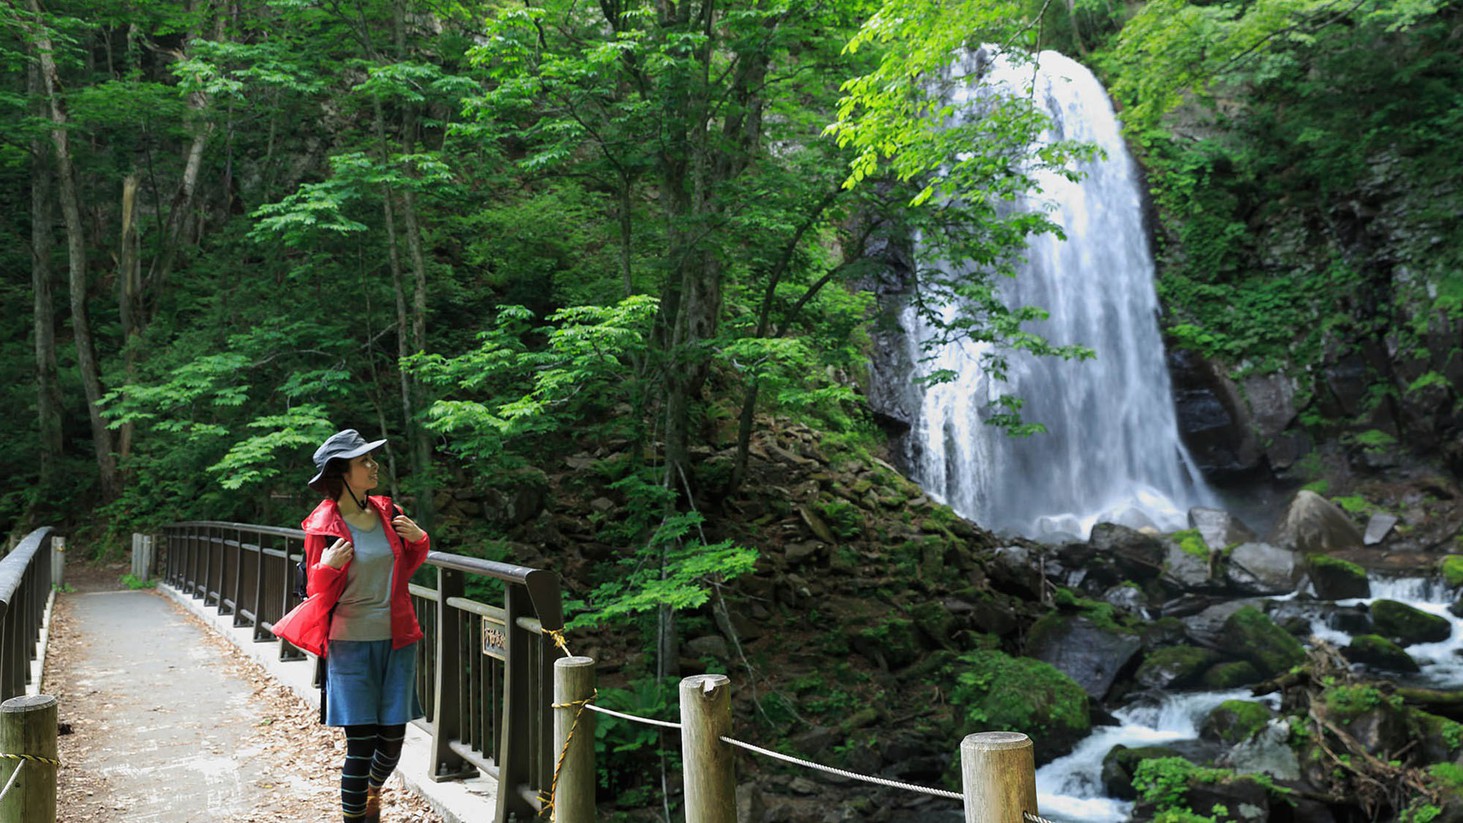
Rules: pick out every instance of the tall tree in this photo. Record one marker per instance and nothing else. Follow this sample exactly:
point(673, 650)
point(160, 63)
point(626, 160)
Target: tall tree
point(76, 242)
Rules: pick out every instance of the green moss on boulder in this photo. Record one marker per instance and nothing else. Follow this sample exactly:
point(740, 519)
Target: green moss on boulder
point(1407, 625)
point(1175, 667)
point(1235, 720)
point(1230, 675)
point(1378, 652)
point(1337, 579)
point(1121, 762)
point(1452, 569)
point(1250, 635)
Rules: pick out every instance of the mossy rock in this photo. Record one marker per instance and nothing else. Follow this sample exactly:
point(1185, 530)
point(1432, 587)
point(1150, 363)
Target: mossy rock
point(1452, 570)
point(1175, 667)
point(1235, 720)
point(1121, 762)
point(1378, 652)
point(996, 692)
point(1336, 579)
point(1230, 675)
point(1251, 635)
point(1407, 625)
point(1440, 739)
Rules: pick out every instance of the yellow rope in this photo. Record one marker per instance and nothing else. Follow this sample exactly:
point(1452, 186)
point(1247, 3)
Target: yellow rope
point(557, 635)
point(546, 800)
point(31, 757)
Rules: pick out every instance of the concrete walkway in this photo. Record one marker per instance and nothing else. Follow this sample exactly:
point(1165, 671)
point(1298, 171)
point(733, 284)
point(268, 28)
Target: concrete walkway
point(176, 738)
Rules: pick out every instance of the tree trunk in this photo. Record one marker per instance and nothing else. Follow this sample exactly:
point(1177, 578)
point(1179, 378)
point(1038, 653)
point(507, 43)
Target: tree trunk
point(421, 444)
point(48, 390)
point(86, 359)
point(129, 282)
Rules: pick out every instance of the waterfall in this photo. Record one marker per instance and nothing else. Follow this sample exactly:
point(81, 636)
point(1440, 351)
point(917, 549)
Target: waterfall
point(1112, 450)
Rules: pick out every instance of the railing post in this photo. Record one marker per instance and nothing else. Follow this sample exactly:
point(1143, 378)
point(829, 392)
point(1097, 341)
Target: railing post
point(58, 561)
point(574, 740)
point(711, 790)
point(28, 728)
point(998, 771)
point(447, 701)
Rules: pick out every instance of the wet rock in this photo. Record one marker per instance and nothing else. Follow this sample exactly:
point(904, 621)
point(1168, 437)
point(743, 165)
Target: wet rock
point(1175, 667)
point(1230, 675)
point(1250, 635)
point(1128, 599)
point(1090, 654)
point(1336, 579)
point(1375, 651)
point(1314, 524)
point(1139, 557)
point(1187, 570)
point(1016, 570)
point(1235, 720)
point(1266, 751)
point(1407, 625)
point(1261, 569)
point(1378, 527)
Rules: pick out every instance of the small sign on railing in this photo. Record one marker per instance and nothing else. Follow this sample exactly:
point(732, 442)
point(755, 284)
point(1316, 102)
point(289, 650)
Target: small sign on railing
point(495, 639)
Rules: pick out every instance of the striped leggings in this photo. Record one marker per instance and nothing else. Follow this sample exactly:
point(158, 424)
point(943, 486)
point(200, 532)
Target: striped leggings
point(371, 754)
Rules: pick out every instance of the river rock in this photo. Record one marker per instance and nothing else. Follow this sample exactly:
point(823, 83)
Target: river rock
point(1407, 625)
point(1378, 527)
point(1375, 651)
point(1250, 635)
point(1246, 800)
point(1139, 556)
point(1186, 571)
point(1016, 570)
point(1261, 569)
point(1235, 720)
point(1314, 524)
point(1089, 654)
point(1219, 528)
point(1175, 667)
point(1336, 579)
point(1267, 751)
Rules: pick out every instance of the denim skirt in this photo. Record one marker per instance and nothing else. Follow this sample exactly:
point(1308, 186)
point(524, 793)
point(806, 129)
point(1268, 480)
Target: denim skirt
point(368, 682)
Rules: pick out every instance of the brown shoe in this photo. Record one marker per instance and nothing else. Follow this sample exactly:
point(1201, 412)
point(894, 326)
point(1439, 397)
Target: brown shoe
point(373, 804)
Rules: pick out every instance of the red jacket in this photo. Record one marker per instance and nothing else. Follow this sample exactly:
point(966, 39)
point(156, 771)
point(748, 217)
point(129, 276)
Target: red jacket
point(308, 624)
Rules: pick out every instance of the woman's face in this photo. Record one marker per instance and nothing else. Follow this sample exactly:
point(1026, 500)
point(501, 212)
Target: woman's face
point(363, 473)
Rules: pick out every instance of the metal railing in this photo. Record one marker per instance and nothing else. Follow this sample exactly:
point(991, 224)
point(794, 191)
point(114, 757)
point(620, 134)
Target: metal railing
point(485, 671)
point(25, 589)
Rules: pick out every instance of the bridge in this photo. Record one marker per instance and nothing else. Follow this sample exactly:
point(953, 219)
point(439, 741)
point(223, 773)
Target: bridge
point(508, 732)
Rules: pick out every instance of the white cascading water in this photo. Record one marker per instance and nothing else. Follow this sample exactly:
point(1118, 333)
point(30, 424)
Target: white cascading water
point(1112, 450)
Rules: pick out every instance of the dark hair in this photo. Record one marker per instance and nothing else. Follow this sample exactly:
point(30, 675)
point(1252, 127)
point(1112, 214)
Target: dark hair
point(332, 477)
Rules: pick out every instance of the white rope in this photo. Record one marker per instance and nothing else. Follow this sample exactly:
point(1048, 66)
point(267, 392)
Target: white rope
point(631, 717)
point(11, 782)
point(1034, 818)
point(1031, 818)
point(841, 773)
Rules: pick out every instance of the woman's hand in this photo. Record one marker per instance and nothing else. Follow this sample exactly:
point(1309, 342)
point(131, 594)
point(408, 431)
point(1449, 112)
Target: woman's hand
point(337, 554)
point(407, 528)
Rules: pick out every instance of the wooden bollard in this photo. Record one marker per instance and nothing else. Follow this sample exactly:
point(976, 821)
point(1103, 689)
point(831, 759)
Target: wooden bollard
point(998, 771)
point(711, 788)
point(574, 791)
point(28, 741)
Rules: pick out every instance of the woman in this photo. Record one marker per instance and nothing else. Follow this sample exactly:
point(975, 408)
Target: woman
point(360, 553)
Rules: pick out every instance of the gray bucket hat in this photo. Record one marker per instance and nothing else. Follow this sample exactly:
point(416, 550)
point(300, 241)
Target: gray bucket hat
point(343, 445)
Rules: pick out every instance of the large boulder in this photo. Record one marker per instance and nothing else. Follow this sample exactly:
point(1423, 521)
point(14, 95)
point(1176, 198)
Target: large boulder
point(996, 692)
point(1088, 653)
point(1266, 751)
point(1314, 524)
point(1376, 652)
point(1188, 564)
point(1261, 569)
point(1335, 579)
point(1250, 635)
point(1174, 667)
point(1407, 625)
point(1139, 556)
point(1235, 720)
